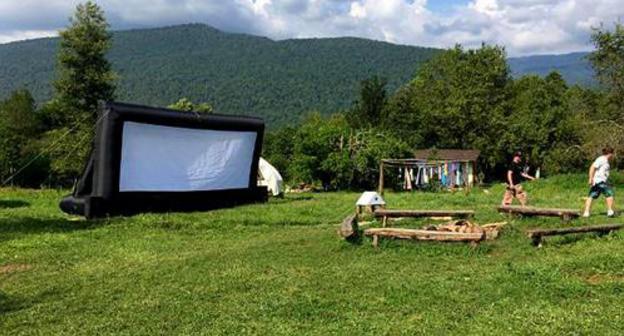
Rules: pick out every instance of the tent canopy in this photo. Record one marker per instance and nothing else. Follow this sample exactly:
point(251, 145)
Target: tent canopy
point(270, 177)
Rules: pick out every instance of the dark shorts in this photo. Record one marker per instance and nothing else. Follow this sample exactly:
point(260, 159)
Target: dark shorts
point(601, 188)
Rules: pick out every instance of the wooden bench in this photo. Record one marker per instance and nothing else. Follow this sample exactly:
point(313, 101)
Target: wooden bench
point(565, 214)
point(385, 214)
point(537, 234)
point(423, 235)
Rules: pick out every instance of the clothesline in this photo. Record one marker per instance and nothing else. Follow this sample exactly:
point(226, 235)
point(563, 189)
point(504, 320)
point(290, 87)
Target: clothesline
point(418, 173)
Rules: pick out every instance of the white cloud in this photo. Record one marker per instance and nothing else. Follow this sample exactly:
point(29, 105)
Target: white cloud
point(9, 36)
point(522, 26)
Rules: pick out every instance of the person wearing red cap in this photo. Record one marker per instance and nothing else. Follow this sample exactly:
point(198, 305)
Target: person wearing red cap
point(515, 176)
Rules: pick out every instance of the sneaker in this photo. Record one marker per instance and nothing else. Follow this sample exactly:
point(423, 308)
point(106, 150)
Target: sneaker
point(610, 213)
point(586, 214)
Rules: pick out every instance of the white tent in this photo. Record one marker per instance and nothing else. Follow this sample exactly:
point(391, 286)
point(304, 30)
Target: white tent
point(270, 177)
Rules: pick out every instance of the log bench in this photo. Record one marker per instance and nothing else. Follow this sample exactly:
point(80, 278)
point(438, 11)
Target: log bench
point(536, 235)
point(385, 214)
point(565, 214)
point(423, 235)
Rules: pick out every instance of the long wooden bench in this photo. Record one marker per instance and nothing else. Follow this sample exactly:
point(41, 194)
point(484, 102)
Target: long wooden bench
point(423, 235)
point(564, 214)
point(385, 214)
point(536, 235)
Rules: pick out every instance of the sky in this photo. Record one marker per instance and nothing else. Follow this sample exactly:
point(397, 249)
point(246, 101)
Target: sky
point(524, 27)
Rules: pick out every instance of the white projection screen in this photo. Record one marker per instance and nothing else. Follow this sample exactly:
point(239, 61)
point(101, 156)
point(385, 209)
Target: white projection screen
point(166, 158)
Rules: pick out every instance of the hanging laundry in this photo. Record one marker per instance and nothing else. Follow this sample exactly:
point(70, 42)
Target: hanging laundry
point(418, 176)
point(408, 180)
point(469, 172)
point(451, 177)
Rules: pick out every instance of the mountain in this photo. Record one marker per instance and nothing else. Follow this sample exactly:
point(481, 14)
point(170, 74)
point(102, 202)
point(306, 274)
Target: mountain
point(574, 67)
point(243, 74)
point(236, 73)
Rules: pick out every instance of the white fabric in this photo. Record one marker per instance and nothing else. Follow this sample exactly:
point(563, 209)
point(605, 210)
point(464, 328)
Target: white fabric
point(602, 167)
point(165, 158)
point(270, 177)
point(370, 198)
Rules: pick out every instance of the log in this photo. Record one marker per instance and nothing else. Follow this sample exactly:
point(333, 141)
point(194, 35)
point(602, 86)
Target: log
point(349, 227)
point(424, 235)
point(537, 234)
point(423, 213)
point(532, 211)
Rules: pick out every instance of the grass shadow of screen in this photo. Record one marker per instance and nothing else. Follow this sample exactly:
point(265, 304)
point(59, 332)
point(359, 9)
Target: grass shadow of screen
point(18, 226)
point(12, 204)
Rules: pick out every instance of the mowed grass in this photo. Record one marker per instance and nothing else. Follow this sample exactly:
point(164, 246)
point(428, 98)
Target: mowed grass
point(280, 268)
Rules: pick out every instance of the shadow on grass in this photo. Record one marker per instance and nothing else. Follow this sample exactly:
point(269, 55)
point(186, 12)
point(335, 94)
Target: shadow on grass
point(17, 226)
point(575, 238)
point(12, 204)
point(11, 303)
point(290, 199)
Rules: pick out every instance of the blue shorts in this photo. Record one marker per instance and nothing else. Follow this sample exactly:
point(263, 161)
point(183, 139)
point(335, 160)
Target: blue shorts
point(601, 188)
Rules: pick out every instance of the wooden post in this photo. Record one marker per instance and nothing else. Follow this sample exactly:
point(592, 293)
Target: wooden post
point(375, 240)
point(381, 178)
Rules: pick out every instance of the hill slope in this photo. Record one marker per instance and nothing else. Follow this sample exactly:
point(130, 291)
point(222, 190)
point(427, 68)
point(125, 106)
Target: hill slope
point(278, 80)
point(237, 73)
point(574, 66)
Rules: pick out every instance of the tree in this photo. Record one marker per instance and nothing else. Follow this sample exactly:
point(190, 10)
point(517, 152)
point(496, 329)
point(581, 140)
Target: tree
point(458, 99)
point(278, 149)
point(608, 63)
point(84, 74)
point(19, 127)
point(327, 151)
point(367, 110)
point(184, 104)
point(541, 123)
point(84, 78)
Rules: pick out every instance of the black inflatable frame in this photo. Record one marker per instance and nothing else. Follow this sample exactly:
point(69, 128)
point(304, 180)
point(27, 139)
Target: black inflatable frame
point(96, 194)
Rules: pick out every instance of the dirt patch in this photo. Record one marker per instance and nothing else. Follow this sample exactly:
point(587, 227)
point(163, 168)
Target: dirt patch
point(598, 279)
point(12, 268)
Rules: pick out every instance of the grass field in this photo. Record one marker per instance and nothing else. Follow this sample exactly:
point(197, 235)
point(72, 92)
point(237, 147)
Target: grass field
point(280, 268)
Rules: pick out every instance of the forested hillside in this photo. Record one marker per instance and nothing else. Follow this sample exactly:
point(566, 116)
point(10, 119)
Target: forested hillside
point(574, 67)
point(242, 74)
point(236, 73)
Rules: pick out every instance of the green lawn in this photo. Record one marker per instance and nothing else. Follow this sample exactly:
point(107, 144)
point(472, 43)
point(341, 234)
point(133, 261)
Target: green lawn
point(280, 268)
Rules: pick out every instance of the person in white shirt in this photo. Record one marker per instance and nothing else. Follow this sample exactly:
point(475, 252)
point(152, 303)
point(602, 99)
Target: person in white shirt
point(598, 176)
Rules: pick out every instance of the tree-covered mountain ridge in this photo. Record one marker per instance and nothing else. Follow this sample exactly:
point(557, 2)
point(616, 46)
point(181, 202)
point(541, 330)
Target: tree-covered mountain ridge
point(245, 74)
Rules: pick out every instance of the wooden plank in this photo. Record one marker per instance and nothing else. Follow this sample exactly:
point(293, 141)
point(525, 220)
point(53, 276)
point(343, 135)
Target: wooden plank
point(537, 234)
point(576, 229)
point(381, 178)
point(425, 235)
point(423, 213)
point(532, 211)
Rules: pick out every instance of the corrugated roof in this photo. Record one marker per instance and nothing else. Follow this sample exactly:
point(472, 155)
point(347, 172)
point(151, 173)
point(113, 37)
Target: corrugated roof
point(447, 154)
